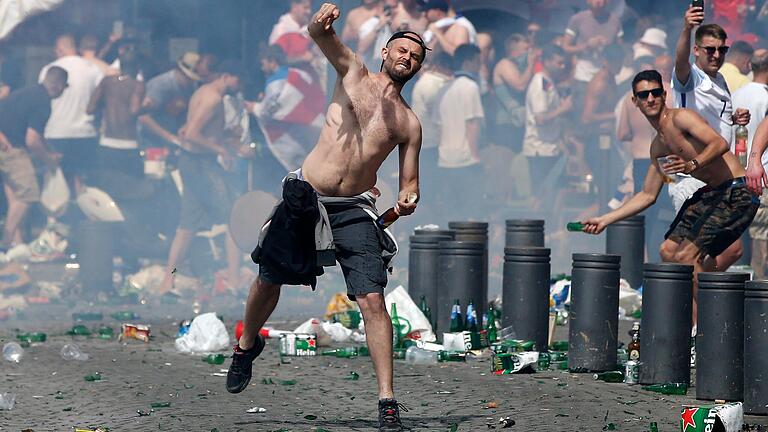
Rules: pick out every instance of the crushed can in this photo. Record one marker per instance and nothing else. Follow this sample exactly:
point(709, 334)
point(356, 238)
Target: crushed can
point(298, 344)
point(631, 372)
point(134, 331)
point(509, 363)
point(715, 418)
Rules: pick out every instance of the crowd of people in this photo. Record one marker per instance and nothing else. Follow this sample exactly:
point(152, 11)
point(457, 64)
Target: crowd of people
point(523, 116)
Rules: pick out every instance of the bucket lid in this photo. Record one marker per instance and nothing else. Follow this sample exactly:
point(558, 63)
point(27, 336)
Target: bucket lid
point(594, 257)
point(468, 225)
point(527, 251)
point(525, 222)
point(723, 277)
point(668, 268)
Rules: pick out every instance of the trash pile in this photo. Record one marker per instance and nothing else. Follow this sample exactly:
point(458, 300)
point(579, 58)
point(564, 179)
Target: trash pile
point(630, 299)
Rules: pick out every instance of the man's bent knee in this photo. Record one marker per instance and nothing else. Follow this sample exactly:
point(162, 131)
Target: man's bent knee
point(262, 284)
point(370, 304)
point(668, 250)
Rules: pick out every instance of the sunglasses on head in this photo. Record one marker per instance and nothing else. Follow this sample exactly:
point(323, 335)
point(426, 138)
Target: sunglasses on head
point(643, 94)
point(723, 50)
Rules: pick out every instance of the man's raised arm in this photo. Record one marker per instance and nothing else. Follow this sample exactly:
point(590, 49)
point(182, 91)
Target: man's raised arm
point(321, 30)
point(693, 17)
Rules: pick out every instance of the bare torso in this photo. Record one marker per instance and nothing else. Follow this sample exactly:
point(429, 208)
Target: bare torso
point(119, 121)
point(213, 129)
point(671, 140)
point(366, 120)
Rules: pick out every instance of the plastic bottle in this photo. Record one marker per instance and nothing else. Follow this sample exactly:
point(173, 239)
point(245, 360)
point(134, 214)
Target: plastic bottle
point(7, 401)
point(611, 376)
point(71, 351)
point(742, 136)
point(415, 355)
point(575, 226)
point(13, 352)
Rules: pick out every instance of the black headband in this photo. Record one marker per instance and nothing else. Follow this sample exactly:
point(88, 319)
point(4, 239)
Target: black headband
point(407, 35)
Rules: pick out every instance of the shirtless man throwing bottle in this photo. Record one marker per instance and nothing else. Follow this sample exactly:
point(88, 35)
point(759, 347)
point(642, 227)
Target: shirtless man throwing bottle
point(366, 120)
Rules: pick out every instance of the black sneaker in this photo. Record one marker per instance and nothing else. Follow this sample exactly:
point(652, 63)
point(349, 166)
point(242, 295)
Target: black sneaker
point(389, 415)
point(239, 374)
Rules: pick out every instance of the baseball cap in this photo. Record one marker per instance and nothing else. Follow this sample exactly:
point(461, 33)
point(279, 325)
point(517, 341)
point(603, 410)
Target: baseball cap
point(434, 4)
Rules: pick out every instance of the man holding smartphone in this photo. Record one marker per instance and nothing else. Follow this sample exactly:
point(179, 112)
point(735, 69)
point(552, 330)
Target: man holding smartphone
point(701, 87)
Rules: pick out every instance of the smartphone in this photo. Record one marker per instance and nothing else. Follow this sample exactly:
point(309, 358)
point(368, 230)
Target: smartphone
point(697, 3)
point(117, 28)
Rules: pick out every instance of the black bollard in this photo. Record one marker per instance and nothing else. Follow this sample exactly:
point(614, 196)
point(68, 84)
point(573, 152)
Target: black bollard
point(423, 261)
point(475, 232)
point(665, 333)
point(95, 253)
point(524, 232)
point(459, 277)
point(626, 238)
point(525, 293)
point(720, 336)
point(755, 341)
point(449, 233)
point(594, 315)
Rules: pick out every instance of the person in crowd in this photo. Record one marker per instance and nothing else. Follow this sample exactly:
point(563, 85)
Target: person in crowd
point(118, 98)
point(545, 113)
point(447, 31)
point(70, 129)
point(88, 49)
point(754, 97)
point(461, 118)
point(511, 77)
point(207, 152)
point(652, 44)
point(291, 111)
point(23, 116)
point(374, 32)
point(737, 65)
point(436, 75)
point(290, 34)
point(636, 135)
point(599, 113)
point(355, 19)
point(586, 36)
point(165, 102)
point(714, 217)
point(700, 86)
point(410, 16)
point(367, 120)
point(293, 21)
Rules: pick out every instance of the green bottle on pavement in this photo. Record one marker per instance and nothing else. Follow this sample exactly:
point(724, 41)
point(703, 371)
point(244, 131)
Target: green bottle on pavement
point(457, 324)
point(668, 388)
point(215, 359)
point(654, 427)
point(124, 315)
point(448, 356)
point(396, 327)
point(79, 330)
point(32, 337)
point(347, 352)
point(611, 376)
point(490, 326)
point(575, 226)
point(559, 346)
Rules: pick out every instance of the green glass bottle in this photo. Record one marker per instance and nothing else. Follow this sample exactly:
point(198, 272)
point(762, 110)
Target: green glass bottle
point(560, 346)
point(124, 315)
point(396, 328)
point(668, 388)
point(544, 361)
point(32, 337)
point(106, 333)
point(611, 376)
point(93, 377)
point(347, 352)
point(448, 356)
point(654, 427)
point(490, 326)
point(575, 226)
point(363, 351)
point(215, 359)
point(79, 330)
point(457, 323)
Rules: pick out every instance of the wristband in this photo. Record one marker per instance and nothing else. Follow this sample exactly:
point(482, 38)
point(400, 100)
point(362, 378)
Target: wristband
point(695, 164)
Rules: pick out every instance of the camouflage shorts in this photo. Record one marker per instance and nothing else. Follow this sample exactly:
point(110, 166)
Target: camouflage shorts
point(714, 218)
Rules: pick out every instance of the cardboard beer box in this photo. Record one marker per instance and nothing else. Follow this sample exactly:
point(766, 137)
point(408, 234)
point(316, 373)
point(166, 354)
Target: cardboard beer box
point(727, 417)
point(509, 363)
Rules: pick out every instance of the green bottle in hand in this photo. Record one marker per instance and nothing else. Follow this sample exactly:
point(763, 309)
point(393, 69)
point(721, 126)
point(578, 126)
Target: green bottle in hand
point(575, 226)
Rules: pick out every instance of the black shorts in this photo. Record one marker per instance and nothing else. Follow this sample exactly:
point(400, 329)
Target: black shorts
point(358, 251)
point(79, 155)
point(207, 197)
point(714, 218)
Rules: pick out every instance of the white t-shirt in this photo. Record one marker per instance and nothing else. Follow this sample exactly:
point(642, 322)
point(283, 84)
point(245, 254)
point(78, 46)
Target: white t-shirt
point(712, 100)
point(372, 58)
point(68, 117)
point(459, 101)
point(286, 24)
point(546, 139)
point(449, 21)
point(754, 97)
point(425, 99)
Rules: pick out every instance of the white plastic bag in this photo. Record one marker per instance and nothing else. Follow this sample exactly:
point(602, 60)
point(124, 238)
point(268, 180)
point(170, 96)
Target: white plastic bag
point(417, 327)
point(313, 326)
point(629, 299)
point(55, 194)
point(206, 334)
